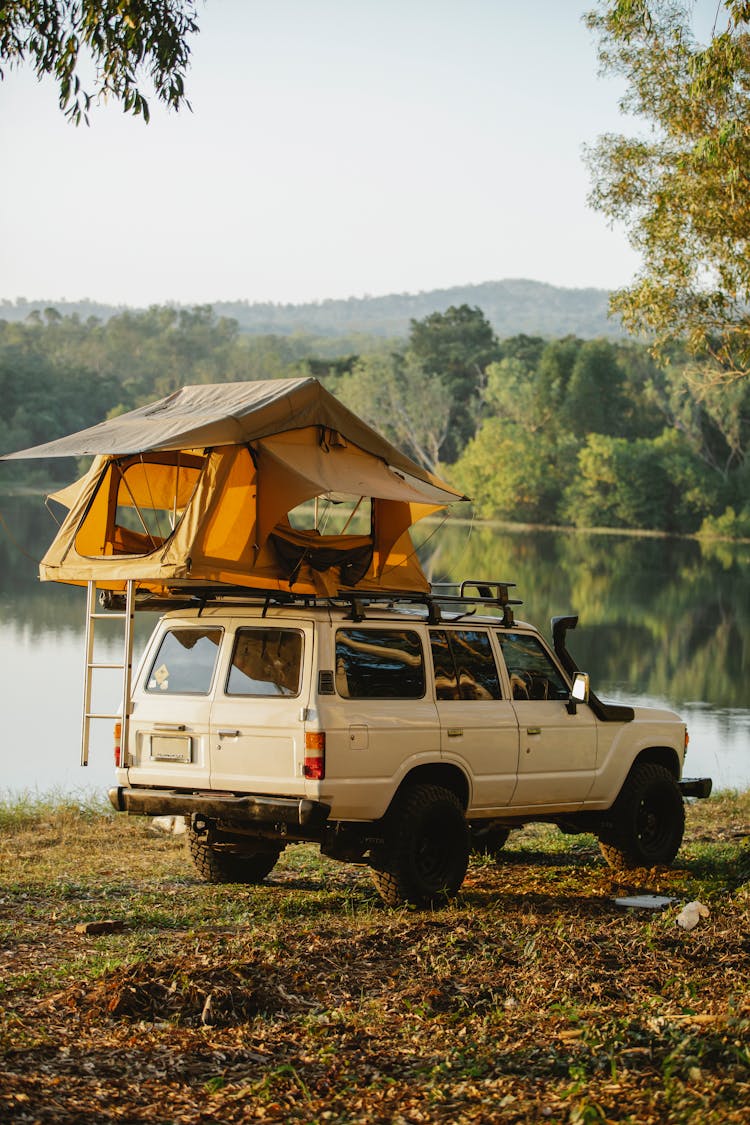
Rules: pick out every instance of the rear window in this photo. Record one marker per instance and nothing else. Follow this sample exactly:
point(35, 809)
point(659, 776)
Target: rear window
point(464, 665)
point(185, 662)
point(379, 664)
point(266, 662)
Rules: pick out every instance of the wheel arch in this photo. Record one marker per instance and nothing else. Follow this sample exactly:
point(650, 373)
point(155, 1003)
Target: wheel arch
point(438, 773)
point(665, 756)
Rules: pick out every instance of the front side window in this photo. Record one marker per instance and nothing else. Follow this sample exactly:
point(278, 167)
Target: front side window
point(464, 665)
point(185, 662)
point(532, 673)
point(379, 664)
point(266, 662)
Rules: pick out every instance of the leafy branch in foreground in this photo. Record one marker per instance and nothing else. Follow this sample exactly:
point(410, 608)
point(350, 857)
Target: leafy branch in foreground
point(123, 38)
point(682, 190)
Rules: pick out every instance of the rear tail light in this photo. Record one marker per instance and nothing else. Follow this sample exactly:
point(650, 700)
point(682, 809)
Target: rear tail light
point(118, 744)
point(315, 755)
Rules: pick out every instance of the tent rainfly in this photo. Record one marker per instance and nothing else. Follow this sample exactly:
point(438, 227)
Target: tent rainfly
point(205, 486)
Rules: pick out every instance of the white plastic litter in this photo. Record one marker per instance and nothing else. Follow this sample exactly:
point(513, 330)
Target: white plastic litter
point(644, 902)
point(690, 915)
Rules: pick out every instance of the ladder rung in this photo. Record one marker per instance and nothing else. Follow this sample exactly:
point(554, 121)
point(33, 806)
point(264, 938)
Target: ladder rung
point(92, 665)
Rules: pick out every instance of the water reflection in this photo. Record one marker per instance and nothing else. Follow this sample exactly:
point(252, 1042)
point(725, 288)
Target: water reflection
point(661, 620)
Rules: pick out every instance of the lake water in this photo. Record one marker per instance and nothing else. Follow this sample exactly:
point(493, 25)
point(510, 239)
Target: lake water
point(662, 622)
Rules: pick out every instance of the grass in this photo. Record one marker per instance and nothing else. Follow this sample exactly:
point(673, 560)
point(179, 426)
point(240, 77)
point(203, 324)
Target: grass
point(532, 998)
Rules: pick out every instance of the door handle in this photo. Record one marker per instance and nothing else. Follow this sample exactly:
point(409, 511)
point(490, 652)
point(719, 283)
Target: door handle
point(228, 733)
point(169, 726)
point(533, 730)
point(455, 732)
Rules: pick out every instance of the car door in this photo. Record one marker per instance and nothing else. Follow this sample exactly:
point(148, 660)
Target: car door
point(558, 744)
point(381, 722)
point(478, 727)
point(169, 724)
point(257, 717)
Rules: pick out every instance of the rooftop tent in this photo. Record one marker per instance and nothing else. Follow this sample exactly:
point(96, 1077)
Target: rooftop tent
point(202, 487)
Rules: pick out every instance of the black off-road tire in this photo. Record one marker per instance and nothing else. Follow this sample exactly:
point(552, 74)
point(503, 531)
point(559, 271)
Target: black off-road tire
point(645, 826)
point(217, 866)
point(426, 850)
point(489, 842)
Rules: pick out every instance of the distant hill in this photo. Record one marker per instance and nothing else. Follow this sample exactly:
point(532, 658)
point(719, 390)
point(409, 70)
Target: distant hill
point(511, 306)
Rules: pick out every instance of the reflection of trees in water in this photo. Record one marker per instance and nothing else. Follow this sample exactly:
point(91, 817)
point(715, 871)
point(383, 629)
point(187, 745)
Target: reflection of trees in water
point(25, 602)
point(658, 616)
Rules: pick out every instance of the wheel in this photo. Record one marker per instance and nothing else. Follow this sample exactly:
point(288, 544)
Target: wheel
point(426, 850)
point(489, 840)
point(217, 866)
point(645, 825)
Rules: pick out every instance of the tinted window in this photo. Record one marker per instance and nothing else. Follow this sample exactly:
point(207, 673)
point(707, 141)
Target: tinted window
point(266, 662)
point(185, 662)
point(464, 665)
point(532, 673)
point(379, 664)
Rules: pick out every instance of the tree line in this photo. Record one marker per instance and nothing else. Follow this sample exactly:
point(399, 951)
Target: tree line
point(587, 433)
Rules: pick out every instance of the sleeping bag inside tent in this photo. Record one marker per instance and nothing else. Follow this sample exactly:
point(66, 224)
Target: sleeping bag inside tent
point(270, 485)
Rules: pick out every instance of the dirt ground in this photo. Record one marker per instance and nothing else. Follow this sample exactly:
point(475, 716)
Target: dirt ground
point(534, 997)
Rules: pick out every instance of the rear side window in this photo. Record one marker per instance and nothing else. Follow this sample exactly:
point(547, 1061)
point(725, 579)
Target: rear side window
point(185, 662)
point(379, 664)
point(266, 662)
point(464, 665)
point(532, 673)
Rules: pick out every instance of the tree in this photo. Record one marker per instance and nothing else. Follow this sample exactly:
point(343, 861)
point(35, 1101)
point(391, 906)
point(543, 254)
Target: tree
point(594, 397)
point(396, 397)
point(682, 191)
point(456, 347)
point(123, 38)
point(513, 474)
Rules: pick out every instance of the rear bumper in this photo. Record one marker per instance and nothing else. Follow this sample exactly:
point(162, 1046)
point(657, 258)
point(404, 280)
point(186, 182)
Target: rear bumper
point(696, 786)
point(223, 806)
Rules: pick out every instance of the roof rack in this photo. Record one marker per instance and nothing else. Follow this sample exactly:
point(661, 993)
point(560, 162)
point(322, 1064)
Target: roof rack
point(471, 592)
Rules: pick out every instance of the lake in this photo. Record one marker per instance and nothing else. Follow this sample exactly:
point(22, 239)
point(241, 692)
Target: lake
point(662, 622)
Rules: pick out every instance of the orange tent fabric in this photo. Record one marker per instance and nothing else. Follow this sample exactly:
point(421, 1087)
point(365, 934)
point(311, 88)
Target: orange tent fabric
point(162, 508)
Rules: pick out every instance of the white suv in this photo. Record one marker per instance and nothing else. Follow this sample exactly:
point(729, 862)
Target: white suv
point(397, 734)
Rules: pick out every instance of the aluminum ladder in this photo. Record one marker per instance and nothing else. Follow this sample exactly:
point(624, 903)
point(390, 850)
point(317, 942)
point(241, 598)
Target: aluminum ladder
point(92, 665)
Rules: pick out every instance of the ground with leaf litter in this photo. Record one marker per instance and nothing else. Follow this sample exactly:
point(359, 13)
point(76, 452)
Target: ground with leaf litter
point(533, 998)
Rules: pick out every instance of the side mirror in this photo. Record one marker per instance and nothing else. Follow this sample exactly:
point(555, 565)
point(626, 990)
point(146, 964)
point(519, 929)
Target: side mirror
point(580, 689)
point(579, 693)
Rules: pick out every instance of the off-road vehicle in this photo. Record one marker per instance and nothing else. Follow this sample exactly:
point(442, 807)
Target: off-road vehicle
point(400, 733)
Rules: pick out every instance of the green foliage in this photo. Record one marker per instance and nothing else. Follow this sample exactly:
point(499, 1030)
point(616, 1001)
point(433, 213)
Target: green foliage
point(594, 399)
point(512, 476)
point(729, 525)
point(393, 393)
point(655, 451)
point(647, 483)
point(124, 38)
point(671, 453)
point(682, 191)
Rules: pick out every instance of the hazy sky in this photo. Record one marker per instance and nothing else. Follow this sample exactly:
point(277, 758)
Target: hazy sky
point(336, 148)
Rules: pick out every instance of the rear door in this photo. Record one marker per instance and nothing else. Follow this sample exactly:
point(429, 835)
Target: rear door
point(257, 718)
point(169, 724)
point(557, 760)
point(478, 727)
point(381, 722)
